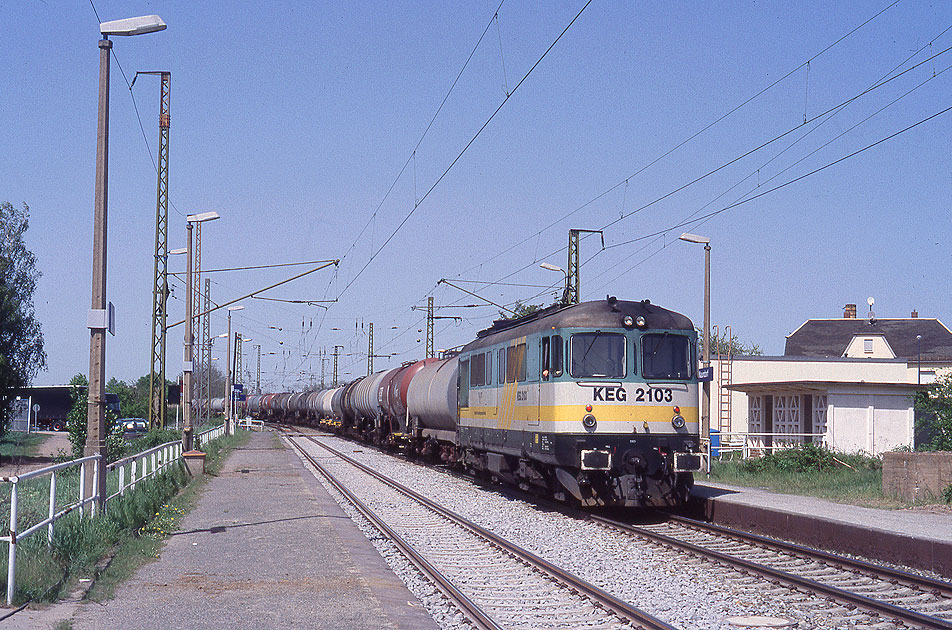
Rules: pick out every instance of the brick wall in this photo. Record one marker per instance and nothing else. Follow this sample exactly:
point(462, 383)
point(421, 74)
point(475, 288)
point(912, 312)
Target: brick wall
point(916, 476)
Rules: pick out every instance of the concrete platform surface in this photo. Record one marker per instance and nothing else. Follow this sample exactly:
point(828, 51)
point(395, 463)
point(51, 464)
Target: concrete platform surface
point(913, 538)
point(265, 547)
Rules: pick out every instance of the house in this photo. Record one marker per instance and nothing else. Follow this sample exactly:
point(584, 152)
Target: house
point(846, 382)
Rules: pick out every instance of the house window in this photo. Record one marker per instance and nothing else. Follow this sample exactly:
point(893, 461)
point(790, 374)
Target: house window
point(819, 414)
point(868, 346)
point(787, 418)
point(755, 414)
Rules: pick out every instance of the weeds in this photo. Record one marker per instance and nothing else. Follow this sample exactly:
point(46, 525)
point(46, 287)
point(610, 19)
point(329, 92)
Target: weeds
point(947, 494)
point(811, 470)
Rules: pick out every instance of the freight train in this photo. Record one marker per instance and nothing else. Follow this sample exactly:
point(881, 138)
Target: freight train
point(593, 403)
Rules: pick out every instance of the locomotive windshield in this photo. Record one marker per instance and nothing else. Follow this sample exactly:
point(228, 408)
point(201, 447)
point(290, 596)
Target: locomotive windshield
point(598, 354)
point(666, 356)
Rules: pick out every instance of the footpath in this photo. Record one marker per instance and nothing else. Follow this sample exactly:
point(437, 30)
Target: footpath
point(265, 547)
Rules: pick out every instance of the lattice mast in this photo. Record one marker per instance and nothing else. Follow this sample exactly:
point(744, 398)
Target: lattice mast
point(572, 293)
point(206, 351)
point(160, 285)
point(370, 350)
point(198, 394)
point(429, 327)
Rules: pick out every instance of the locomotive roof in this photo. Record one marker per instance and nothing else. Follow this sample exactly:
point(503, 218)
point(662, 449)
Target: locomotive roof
point(607, 313)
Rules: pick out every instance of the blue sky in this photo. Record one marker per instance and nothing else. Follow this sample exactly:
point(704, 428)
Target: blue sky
point(292, 120)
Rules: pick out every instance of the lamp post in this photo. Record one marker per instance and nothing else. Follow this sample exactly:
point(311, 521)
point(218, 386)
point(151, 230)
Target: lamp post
point(189, 338)
point(229, 429)
point(706, 350)
point(565, 291)
point(97, 320)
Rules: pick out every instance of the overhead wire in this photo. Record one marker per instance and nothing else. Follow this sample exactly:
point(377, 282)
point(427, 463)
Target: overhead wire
point(464, 149)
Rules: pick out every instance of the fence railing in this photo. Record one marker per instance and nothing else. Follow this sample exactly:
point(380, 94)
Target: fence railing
point(756, 444)
point(129, 471)
point(250, 424)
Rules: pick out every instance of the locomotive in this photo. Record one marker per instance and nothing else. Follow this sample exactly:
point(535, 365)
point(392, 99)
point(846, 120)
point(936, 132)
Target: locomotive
point(593, 403)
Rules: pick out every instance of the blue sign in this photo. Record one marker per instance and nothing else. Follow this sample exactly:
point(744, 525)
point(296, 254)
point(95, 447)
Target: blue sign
point(705, 375)
point(241, 398)
point(238, 387)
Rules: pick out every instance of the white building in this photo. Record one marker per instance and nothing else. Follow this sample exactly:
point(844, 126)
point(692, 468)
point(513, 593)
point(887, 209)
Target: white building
point(850, 382)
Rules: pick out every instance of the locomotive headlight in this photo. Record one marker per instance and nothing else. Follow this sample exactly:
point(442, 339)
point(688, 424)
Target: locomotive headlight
point(588, 421)
point(640, 320)
point(629, 321)
point(678, 422)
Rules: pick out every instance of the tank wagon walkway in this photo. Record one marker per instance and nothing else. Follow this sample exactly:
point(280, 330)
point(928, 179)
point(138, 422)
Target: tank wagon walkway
point(265, 547)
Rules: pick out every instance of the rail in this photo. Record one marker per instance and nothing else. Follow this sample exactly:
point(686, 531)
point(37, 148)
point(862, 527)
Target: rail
point(129, 471)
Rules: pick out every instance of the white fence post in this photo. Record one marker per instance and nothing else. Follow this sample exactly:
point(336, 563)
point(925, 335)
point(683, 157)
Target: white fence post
point(82, 489)
point(49, 534)
point(96, 497)
point(12, 554)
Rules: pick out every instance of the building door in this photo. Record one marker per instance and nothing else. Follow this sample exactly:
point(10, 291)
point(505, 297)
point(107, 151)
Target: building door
point(768, 419)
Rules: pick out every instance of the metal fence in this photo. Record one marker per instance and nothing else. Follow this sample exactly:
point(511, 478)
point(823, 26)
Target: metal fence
point(758, 444)
point(250, 424)
point(128, 472)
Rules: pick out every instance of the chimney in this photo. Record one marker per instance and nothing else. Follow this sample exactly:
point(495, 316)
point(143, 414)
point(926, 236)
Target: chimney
point(849, 311)
point(915, 315)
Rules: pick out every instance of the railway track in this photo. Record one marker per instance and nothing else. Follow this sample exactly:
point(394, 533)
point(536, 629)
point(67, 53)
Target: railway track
point(869, 595)
point(907, 598)
point(494, 583)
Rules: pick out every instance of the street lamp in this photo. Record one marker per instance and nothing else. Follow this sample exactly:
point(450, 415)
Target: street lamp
point(97, 320)
point(565, 292)
point(189, 339)
point(229, 429)
point(706, 356)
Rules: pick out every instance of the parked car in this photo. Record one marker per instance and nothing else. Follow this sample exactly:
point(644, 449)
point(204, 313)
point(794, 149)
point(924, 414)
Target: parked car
point(133, 428)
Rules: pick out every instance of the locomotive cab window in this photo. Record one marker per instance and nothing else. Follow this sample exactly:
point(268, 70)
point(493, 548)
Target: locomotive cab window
point(597, 355)
point(556, 353)
point(551, 365)
point(666, 356)
point(501, 372)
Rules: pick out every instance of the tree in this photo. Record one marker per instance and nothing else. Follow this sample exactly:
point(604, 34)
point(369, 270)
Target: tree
point(733, 345)
point(77, 419)
point(519, 309)
point(21, 340)
point(934, 424)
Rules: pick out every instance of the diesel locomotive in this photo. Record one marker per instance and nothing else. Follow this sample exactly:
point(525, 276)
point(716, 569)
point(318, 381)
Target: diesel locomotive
point(593, 403)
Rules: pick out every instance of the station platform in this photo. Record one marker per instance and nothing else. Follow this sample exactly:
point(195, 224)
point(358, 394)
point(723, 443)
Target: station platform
point(914, 538)
point(265, 547)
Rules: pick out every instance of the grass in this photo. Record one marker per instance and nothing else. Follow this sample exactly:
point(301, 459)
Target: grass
point(811, 471)
point(134, 527)
point(19, 444)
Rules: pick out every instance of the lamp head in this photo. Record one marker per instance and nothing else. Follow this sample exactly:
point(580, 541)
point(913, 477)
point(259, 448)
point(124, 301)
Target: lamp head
point(239, 307)
point(133, 26)
point(551, 267)
point(180, 250)
point(201, 217)
point(694, 238)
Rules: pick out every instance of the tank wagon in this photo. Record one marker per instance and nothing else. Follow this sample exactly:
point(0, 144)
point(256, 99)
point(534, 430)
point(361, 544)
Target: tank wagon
point(595, 403)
